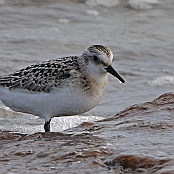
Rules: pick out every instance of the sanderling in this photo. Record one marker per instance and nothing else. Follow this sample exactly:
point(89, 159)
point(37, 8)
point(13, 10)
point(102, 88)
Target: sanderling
point(62, 87)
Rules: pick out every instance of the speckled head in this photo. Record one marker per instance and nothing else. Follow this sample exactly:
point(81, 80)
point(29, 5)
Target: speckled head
point(101, 48)
point(99, 59)
point(104, 53)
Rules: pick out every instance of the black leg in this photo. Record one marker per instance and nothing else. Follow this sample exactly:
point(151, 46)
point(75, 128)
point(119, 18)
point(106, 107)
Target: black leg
point(47, 126)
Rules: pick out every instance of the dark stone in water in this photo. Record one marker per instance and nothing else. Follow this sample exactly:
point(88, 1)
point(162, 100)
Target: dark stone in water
point(135, 162)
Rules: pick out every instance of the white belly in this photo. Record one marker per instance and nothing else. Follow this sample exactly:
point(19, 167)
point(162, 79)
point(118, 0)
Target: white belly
point(61, 102)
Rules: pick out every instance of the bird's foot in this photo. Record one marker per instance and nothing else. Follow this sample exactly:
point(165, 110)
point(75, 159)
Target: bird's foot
point(47, 126)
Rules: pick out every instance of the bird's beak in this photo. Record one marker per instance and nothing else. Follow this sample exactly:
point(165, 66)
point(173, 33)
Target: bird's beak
point(114, 73)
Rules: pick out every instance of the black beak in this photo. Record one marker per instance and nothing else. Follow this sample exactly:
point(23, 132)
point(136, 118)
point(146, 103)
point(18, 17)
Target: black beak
point(114, 73)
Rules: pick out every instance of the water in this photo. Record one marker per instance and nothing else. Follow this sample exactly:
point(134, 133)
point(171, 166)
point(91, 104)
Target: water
point(139, 33)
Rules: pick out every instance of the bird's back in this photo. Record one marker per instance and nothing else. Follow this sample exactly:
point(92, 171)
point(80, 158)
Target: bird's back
point(42, 77)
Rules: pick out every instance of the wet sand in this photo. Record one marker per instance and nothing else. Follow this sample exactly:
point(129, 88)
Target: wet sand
point(134, 144)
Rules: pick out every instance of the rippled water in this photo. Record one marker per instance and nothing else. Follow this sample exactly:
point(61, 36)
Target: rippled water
point(141, 36)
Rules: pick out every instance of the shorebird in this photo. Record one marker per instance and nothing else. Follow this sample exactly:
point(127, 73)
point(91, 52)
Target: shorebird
point(62, 87)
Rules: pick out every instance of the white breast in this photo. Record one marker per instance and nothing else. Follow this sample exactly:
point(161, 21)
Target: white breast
point(59, 102)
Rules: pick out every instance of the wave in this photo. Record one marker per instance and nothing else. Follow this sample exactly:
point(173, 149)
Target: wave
point(134, 4)
point(104, 3)
point(163, 80)
point(142, 4)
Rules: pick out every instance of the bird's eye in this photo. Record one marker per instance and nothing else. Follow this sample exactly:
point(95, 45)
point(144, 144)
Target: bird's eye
point(95, 58)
